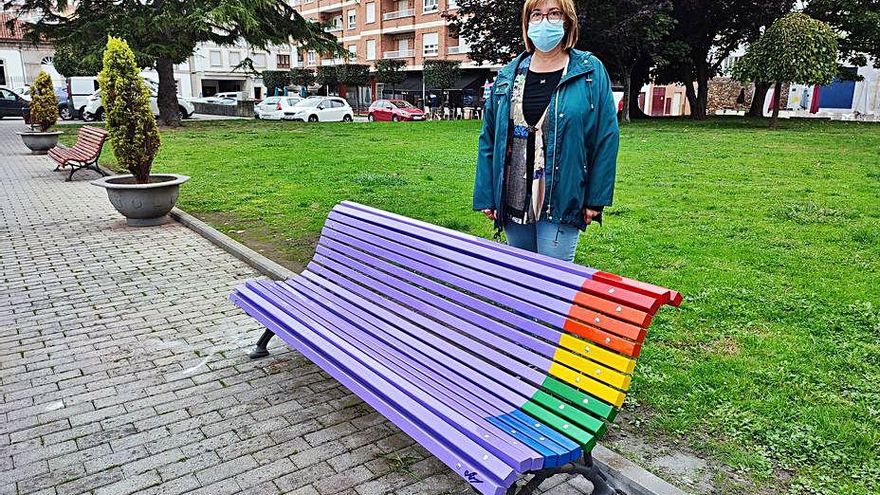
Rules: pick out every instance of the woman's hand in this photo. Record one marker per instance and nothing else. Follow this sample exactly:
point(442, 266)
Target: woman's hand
point(589, 215)
point(490, 214)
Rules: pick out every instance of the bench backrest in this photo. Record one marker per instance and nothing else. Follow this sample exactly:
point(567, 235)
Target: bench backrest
point(90, 140)
point(555, 340)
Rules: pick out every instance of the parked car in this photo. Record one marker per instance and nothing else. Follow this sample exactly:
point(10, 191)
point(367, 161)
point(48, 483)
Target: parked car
point(394, 110)
point(321, 109)
point(275, 107)
point(223, 98)
point(94, 109)
point(12, 104)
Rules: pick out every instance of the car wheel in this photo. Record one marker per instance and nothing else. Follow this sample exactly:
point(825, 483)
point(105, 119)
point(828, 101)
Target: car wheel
point(65, 113)
point(347, 118)
point(99, 115)
point(394, 118)
point(371, 118)
point(313, 118)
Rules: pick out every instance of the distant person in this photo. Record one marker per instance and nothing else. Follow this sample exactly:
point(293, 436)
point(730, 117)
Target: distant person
point(548, 148)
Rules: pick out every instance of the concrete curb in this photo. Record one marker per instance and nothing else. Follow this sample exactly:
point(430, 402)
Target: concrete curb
point(626, 475)
point(256, 260)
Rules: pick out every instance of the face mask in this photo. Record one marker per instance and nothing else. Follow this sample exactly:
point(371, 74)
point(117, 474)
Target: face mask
point(546, 36)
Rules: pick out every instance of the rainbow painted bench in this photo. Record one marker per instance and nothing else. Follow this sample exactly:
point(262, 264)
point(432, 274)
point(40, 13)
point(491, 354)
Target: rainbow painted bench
point(504, 364)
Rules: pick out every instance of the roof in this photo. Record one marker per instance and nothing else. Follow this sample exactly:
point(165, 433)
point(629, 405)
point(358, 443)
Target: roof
point(6, 34)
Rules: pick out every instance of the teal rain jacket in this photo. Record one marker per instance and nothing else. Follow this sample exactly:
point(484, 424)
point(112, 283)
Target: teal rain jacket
point(581, 148)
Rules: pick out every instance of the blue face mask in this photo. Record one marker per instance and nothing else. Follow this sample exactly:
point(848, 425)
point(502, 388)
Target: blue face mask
point(546, 36)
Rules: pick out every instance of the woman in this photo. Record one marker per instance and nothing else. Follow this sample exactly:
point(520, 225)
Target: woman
point(548, 147)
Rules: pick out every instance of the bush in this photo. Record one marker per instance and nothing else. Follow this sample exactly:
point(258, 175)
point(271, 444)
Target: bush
point(126, 99)
point(44, 104)
point(275, 79)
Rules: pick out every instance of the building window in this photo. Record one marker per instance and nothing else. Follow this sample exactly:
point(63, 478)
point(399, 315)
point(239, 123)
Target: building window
point(430, 6)
point(259, 59)
point(2, 73)
point(430, 44)
point(371, 13)
point(371, 49)
point(47, 61)
point(352, 19)
point(234, 58)
point(215, 58)
point(311, 57)
point(283, 61)
point(451, 4)
point(353, 50)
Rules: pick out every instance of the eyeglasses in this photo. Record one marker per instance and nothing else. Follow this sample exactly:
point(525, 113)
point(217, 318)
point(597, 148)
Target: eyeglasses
point(555, 16)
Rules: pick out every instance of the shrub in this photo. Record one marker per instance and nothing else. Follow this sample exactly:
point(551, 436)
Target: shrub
point(133, 130)
point(44, 104)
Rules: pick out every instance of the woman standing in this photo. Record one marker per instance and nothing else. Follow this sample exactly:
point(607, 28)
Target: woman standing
point(548, 147)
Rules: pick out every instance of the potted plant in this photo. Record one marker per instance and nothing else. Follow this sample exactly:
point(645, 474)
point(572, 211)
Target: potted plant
point(144, 199)
point(42, 114)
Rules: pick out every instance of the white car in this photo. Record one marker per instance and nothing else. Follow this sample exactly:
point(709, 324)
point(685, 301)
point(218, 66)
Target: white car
point(275, 107)
point(94, 109)
point(222, 98)
point(321, 109)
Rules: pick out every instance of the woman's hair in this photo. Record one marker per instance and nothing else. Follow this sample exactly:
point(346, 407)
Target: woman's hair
point(571, 23)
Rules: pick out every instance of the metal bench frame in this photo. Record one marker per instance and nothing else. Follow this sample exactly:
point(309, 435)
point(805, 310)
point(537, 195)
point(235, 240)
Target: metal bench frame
point(644, 296)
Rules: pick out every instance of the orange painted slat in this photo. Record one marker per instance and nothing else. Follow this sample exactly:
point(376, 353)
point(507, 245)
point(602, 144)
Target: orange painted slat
point(605, 322)
point(618, 310)
point(603, 338)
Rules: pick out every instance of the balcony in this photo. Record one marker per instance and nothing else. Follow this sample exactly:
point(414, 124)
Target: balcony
point(399, 54)
point(333, 29)
point(398, 14)
point(458, 50)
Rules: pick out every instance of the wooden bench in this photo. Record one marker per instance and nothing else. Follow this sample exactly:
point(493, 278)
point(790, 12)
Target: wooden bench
point(84, 153)
point(498, 361)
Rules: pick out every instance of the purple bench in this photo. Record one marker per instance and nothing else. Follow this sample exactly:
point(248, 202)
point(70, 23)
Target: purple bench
point(504, 364)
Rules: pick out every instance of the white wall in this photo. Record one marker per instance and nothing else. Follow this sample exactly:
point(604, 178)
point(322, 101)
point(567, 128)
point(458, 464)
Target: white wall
point(14, 68)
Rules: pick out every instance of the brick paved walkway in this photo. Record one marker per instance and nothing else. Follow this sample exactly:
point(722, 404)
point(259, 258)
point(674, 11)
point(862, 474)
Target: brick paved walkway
point(123, 367)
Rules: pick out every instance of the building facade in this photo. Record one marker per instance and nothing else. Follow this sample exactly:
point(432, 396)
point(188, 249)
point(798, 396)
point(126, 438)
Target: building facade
point(20, 60)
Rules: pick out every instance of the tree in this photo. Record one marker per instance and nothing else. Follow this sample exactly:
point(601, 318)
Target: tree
point(390, 71)
point(353, 75)
point(69, 63)
point(858, 24)
point(491, 27)
point(44, 103)
point(163, 33)
point(796, 48)
point(326, 76)
point(302, 77)
point(275, 79)
point(130, 122)
point(441, 74)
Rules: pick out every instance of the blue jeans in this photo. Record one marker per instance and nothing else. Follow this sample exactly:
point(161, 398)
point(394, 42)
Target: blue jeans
point(556, 240)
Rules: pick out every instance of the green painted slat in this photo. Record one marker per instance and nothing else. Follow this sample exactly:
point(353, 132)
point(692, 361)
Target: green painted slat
point(572, 413)
point(559, 424)
point(583, 401)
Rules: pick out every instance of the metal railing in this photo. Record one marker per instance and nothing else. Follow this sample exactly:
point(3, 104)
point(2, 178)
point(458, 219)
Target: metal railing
point(400, 54)
point(397, 14)
point(457, 50)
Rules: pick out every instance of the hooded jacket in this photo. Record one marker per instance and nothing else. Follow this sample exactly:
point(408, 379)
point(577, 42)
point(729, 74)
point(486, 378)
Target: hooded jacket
point(580, 149)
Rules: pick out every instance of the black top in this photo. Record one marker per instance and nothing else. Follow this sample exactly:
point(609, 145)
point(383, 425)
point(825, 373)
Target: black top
point(536, 96)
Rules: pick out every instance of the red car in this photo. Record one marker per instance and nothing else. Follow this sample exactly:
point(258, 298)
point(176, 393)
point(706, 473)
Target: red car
point(394, 110)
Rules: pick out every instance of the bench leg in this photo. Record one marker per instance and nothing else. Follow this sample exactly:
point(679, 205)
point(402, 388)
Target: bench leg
point(261, 351)
point(588, 469)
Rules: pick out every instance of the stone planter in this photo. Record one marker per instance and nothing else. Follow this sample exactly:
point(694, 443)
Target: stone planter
point(143, 205)
point(40, 142)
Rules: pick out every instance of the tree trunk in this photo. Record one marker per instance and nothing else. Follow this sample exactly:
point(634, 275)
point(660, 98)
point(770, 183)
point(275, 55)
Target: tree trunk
point(777, 94)
point(691, 95)
point(703, 96)
point(699, 98)
point(169, 114)
point(627, 83)
point(757, 108)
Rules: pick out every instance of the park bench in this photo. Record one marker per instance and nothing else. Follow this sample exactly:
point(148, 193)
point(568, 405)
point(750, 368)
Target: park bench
point(498, 361)
point(84, 153)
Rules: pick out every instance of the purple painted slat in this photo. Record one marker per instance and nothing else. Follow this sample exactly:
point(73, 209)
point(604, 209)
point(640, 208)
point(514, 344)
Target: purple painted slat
point(541, 291)
point(525, 255)
point(461, 362)
point(461, 276)
point(473, 426)
point(412, 364)
point(299, 337)
point(447, 312)
point(382, 342)
point(465, 302)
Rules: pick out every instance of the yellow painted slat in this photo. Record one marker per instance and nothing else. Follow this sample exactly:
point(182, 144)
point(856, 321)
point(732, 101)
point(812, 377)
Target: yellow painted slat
point(592, 368)
point(598, 354)
point(587, 384)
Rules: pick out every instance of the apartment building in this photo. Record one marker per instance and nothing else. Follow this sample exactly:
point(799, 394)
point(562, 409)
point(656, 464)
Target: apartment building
point(409, 30)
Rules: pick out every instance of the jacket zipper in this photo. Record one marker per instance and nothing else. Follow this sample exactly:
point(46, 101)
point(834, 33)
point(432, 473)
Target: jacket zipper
point(553, 162)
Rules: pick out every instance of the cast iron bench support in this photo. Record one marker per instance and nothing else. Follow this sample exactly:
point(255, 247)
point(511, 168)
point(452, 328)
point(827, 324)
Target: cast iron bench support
point(504, 364)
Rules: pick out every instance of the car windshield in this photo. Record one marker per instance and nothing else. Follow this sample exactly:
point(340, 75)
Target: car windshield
point(309, 102)
point(402, 104)
point(271, 101)
point(292, 101)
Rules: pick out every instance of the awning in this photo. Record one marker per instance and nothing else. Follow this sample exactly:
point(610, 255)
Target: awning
point(471, 79)
point(413, 82)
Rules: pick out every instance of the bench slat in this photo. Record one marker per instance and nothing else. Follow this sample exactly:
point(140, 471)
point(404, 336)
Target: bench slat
point(444, 441)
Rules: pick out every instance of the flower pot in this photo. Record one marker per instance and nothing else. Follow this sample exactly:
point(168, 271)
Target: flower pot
point(40, 142)
point(143, 205)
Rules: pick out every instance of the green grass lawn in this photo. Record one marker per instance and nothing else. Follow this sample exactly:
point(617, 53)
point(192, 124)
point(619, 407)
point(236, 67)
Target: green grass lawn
point(772, 364)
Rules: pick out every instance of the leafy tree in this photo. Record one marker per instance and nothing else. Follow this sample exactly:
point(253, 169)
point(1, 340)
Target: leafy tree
point(302, 77)
point(69, 62)
point(126, 99)
point(43, 108)
point(163, 33)
point(796, 48)
point(390, 71)
point(326, 76)
point(491, 27)
point(858, 24)
point(353, 75)
point(275, 79)
point(441, 74)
